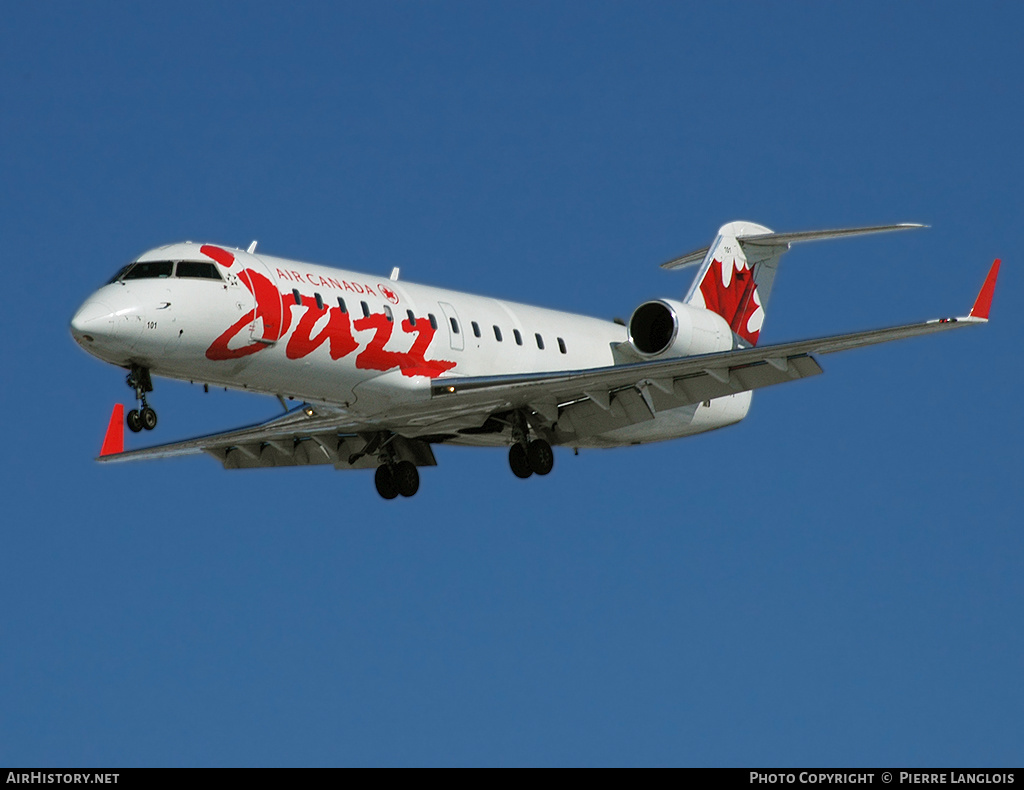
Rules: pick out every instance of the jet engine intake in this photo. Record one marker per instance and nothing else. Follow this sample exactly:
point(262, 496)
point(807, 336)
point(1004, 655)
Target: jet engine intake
point(666, 328)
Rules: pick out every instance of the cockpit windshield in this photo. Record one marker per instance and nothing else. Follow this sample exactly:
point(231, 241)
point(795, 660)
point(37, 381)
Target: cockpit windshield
point(158, 269)
point(201, 269)
point(149, 269)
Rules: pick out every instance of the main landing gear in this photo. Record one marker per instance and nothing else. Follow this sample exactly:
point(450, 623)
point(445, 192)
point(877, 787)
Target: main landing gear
point(534, 457)
point(144, 418)
point(528, 457)
point(394, 479)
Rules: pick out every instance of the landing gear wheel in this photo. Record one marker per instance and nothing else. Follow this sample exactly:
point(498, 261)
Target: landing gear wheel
point(134, 421)
point(407, 478)
point(518, 461)
point(540, 457)
point(148, 418)
point(385, 482)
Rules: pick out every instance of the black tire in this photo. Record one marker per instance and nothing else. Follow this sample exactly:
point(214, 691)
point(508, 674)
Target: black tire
point(385, 482)
point(518, 461)
point(148, 418)
point(539, 454)
point(407, 478)
point(134, 421)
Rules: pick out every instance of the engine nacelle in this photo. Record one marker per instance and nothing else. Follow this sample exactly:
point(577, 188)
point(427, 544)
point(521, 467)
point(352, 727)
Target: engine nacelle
point(665, 328)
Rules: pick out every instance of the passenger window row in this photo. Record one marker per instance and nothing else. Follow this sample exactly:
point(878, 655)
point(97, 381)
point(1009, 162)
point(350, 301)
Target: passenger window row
point(365, 309)
point(433, 321)
point(538, 338)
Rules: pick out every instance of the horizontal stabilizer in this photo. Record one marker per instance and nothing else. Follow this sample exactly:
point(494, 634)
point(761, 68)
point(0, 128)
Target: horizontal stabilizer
point(785, 239)
point(782, 239)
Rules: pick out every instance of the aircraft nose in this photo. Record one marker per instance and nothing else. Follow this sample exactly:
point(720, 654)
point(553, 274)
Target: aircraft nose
point(93, 321)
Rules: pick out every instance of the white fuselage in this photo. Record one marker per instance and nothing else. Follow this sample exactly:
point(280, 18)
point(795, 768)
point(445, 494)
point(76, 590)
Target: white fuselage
point(276, 326)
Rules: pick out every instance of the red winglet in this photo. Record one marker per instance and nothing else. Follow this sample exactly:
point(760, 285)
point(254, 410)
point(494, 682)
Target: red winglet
point(984, 300)
point(113, 442)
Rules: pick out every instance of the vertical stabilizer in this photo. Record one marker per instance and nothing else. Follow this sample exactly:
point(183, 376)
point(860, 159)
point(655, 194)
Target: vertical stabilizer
point(735, 281)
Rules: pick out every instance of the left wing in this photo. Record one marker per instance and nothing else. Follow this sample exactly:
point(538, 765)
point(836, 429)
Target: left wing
point(681, 380)
point(684, 380)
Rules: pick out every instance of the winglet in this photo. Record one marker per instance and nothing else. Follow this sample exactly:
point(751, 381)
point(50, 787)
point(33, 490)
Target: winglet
point(113, 441)
point(984, 300)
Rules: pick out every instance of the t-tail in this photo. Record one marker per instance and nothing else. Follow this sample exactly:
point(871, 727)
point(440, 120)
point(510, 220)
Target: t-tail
point(737, 271)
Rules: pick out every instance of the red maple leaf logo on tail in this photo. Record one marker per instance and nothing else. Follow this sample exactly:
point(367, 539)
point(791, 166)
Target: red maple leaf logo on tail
point(736, 300)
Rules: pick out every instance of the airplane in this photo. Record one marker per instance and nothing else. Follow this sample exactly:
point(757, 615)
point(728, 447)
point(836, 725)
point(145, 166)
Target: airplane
point(385, 369)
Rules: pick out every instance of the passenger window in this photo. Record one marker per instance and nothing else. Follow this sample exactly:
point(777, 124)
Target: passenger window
point(198, 269)
point(297, 296)
point(476, 329)
point(387, 312)
point(518, 337)
point(412, 318)
point(455, 326)
point(149, 270)
point(561, 345)
point(433, 321)
point(540, 341)
point(366, 309)
point(497, 333)
point(319, 301)
point(341, 304)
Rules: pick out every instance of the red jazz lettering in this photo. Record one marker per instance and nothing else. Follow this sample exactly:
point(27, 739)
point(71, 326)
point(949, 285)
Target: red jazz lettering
point(374, 357)
point(275, 313)
point(418, 364)
point(337, 332)
point(412, 362)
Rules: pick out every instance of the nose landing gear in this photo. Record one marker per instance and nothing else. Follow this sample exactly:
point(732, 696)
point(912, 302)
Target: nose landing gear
point(140, 381)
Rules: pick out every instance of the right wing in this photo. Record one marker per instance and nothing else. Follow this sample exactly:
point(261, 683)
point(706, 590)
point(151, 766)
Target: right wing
point(304, 436)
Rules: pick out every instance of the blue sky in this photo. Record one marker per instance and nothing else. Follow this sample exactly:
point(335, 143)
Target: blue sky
point(836, 581)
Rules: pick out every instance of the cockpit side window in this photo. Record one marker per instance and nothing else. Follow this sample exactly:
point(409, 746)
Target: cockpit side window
point(148, 269)
point(201, 269)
